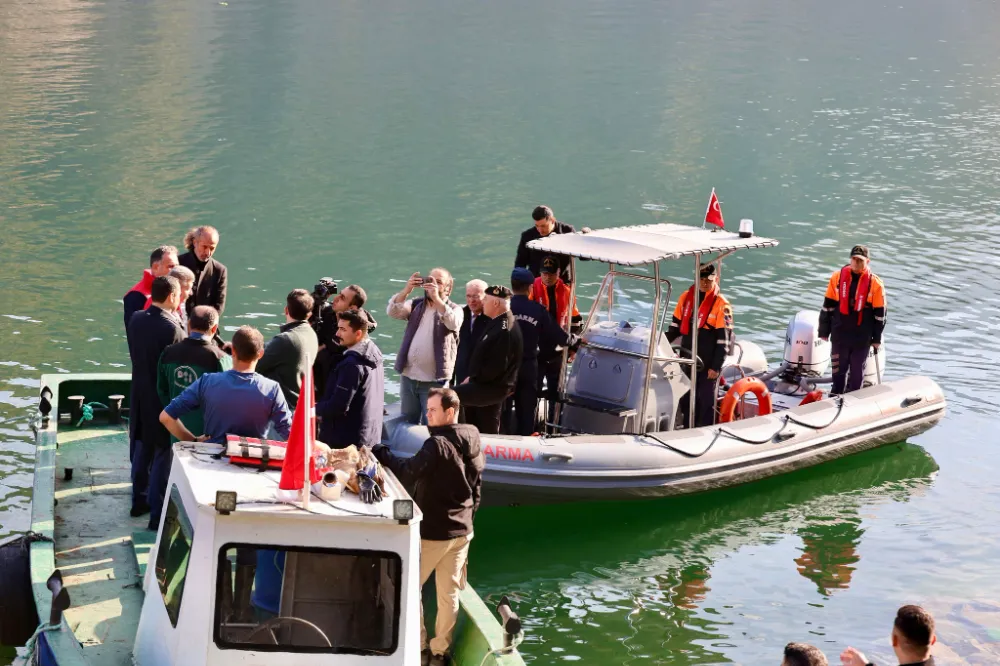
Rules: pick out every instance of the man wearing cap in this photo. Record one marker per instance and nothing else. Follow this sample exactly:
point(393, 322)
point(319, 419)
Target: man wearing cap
point(854, 316)
point(540, 334)
point(715, 338)
point(545, 225)
point(493, 365)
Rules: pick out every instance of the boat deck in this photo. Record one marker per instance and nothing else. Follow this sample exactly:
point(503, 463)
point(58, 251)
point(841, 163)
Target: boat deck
point(94, 541)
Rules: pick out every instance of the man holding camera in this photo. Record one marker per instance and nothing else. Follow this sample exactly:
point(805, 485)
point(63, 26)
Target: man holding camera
point(427, 354)
point(324, 322)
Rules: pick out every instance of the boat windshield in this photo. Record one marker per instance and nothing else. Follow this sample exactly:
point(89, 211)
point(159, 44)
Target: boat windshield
point(292, 599)
point(631, 299)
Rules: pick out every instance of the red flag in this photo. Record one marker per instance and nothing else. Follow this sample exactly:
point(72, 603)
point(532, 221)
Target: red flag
point(714, 213)
point(300, 441)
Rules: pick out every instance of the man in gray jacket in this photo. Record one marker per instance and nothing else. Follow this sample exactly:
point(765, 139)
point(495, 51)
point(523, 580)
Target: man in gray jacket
point(290, 354)
point(426, 357)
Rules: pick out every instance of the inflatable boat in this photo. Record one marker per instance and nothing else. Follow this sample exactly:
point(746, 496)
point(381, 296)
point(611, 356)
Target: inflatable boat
point(615, 429)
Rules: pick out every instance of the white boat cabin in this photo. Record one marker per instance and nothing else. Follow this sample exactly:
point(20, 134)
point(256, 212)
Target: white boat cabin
point(273, 583)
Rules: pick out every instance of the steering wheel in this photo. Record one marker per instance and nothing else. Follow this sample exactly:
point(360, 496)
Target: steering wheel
point(684, 352)
point(270, 625)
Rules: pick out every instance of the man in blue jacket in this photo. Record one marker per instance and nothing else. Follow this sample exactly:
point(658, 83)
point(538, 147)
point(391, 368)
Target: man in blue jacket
point(354, 400)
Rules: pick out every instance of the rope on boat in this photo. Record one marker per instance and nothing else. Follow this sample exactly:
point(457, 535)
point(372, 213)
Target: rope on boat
point(507, 649)
point(87, 412)
point(786, 419)
point(30, 654)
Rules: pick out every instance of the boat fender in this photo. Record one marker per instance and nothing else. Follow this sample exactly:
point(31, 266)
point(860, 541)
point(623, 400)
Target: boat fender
point(812, 396)
point(727, 412)
point(18, 615)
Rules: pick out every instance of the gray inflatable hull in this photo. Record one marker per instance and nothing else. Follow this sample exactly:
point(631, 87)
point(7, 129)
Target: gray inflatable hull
point(532, 470)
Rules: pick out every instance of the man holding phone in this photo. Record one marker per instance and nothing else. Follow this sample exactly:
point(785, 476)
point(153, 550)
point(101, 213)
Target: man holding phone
point(426, 357)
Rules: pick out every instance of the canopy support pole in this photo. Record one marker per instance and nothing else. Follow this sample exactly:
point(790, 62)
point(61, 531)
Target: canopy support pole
point(694, 338)
point(561, 387)
point(654, 338)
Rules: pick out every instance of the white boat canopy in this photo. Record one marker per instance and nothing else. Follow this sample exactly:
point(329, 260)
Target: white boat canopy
point(646, 244)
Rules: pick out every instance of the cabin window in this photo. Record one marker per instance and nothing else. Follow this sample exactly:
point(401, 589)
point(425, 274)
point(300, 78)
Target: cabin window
point(294, 599)
point(173, 554)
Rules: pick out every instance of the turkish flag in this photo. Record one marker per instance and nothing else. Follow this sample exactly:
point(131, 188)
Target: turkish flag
point(300, 440)
point(714, 213)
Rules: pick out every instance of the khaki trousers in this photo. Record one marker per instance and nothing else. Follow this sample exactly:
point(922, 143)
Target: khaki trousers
point(447, 560)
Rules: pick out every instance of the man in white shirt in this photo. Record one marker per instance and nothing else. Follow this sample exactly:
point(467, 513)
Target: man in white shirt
point(426, 357)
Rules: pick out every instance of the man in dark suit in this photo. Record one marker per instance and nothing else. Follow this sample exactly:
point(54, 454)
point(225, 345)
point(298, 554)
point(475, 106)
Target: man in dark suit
point(209, 275)
point(473, 325)
point(150, 332)
point(493, 366)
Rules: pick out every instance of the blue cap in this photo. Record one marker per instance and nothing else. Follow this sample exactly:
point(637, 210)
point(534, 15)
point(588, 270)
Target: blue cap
point(522, 275)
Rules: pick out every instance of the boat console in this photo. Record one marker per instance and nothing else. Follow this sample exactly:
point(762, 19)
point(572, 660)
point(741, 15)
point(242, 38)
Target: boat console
point(236, 573)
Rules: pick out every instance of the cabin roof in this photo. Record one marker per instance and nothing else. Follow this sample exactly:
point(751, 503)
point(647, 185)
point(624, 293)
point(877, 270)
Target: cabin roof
point(645, 244)
point(256, 491)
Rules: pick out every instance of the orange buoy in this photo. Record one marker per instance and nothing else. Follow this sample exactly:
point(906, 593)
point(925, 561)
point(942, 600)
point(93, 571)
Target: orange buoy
point(812, 396)
point(727, 411)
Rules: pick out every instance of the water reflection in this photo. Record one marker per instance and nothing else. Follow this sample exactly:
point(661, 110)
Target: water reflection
point(633, 562)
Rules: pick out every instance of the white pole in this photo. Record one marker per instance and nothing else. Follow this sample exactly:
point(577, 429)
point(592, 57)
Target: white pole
point(708, 208)
point(307, 395)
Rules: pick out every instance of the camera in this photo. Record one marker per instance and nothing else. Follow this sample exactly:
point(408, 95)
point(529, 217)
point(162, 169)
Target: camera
point(325, 288)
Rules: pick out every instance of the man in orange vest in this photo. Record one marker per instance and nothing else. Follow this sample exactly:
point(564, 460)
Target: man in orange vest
point(715, 338)
point(137, 298)
point(854, 316)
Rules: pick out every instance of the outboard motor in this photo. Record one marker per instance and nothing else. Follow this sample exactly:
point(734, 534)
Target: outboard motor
point(805, 353)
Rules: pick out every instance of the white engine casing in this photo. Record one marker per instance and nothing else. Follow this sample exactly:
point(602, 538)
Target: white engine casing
point(804, 350)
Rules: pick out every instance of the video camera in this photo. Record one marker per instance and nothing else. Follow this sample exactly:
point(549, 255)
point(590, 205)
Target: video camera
point(323, 320)
point(325, 288)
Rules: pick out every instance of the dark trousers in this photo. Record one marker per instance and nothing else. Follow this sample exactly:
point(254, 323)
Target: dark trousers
point(481, 406)
point(150, 473)
point(704, 403)
point(524, 402)
point(848, 367)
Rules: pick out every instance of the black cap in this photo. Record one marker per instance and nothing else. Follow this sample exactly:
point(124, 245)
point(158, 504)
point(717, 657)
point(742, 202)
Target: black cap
point(499, 291)
point(860, 251)
point(707, 271)
point(550, 265)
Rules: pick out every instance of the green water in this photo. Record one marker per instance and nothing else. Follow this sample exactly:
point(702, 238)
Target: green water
point(368, 140)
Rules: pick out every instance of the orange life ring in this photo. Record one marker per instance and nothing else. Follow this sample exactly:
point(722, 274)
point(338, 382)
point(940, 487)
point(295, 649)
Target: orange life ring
point(812, 396)
point(733, 396)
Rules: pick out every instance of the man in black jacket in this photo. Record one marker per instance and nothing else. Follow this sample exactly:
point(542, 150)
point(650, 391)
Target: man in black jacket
point(354, 400)
point(447, 476)
point(150, 332)
point(494, 364)
point(545, 224)
point(209, 275)
point(473, 324)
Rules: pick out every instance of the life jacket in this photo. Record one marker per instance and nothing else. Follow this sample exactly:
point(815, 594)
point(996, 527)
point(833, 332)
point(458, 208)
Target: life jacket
point(704, 309)
point(540, 294)
point(860, 296)
point(144, 287)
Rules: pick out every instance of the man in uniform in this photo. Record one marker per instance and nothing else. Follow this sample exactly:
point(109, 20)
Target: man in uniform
point(854, 314)
point(494, 364)
point(539, 333)
point(715, 338)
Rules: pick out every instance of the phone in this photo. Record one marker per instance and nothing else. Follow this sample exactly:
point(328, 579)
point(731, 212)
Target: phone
point(429, 281)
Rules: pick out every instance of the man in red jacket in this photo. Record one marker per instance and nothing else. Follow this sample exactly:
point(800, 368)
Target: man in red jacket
point(137, 298)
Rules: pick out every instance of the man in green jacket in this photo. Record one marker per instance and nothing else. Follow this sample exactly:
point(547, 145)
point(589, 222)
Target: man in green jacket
point(183, 362)
point(290, 354)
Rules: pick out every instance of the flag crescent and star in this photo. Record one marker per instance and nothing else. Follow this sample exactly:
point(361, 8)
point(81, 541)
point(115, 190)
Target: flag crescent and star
point(713, 215)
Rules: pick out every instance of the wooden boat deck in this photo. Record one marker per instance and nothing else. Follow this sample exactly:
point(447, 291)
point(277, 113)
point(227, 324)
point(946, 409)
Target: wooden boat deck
point(94, 541)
